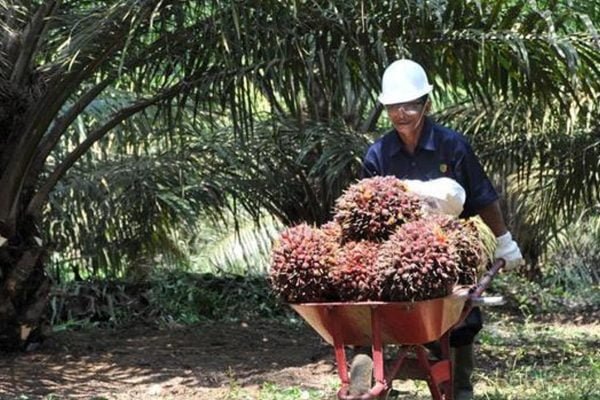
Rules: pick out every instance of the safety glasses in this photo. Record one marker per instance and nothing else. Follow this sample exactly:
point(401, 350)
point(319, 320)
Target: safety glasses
point(410, 108)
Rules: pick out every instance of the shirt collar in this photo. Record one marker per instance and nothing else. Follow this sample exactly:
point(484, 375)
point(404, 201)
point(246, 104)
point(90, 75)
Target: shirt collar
point(426, 141)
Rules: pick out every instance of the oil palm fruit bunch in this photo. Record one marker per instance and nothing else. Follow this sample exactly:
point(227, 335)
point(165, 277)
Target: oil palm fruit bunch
point(333, 231)
point(354, 275)
point(474, 243)
point(418, 262)
point(373, 208)
point(482, 242)
point(301, 261)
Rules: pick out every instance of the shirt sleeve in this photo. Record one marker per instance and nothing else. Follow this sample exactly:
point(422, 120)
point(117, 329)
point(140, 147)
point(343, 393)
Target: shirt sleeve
point(370, 164)
point(478, 187)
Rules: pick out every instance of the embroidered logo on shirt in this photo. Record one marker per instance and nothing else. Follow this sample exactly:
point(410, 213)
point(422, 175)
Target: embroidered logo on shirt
point(443, 168)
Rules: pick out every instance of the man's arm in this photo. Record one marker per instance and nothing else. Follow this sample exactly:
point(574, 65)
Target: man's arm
point(492, 216)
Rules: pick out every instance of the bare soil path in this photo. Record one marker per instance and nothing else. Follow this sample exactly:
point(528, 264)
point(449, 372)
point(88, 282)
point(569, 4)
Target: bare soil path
point(205, 361)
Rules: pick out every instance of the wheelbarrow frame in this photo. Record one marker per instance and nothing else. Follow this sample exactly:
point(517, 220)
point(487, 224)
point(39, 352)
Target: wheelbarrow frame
point(409, 324)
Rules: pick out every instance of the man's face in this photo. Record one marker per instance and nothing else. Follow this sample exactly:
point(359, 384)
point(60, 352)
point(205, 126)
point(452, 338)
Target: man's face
point(406, 115)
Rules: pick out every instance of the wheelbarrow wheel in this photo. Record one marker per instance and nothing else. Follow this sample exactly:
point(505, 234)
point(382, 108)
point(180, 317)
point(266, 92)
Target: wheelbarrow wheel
point(361, 374)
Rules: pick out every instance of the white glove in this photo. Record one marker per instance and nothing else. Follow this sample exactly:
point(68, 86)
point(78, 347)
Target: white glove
point(441, 195)
point(508, 250)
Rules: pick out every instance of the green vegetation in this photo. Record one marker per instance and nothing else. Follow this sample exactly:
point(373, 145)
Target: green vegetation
point(574, 254)
point(167, 296)
point(535, 360)
point(270, 391)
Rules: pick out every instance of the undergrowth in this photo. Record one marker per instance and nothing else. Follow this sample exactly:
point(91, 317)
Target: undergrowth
point(168, 296)
point(529, 298)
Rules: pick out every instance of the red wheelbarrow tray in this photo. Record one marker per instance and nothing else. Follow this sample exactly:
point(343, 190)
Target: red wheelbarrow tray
point(373, 323)
point(401, 323)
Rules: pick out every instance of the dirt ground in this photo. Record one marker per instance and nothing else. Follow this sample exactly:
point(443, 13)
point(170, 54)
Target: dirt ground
point(206, 361)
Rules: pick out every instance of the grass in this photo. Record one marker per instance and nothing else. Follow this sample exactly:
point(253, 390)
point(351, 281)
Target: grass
point(533, 360)
point(270, 391)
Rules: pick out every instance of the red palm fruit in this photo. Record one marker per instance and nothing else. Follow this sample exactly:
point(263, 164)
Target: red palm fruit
point(418, 262)
point(373, 208)
point(333, 231)
point(301, 260)
point(468, 242)
point(354, 275)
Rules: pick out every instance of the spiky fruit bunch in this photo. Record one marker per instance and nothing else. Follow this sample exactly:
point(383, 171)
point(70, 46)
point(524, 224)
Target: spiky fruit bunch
point(469, 239)
point(373, 208)
point(354, 275)
point(418, 262)
point(300, 264)
point(333, 231)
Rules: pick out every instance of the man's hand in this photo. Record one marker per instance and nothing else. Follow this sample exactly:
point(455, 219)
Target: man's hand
point(509, 251)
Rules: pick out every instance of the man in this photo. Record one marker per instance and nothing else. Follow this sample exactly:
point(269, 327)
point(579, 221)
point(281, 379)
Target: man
point(419, 149)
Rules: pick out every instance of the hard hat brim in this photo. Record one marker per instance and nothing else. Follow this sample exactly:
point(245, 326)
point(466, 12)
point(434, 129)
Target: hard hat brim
point(395, 98)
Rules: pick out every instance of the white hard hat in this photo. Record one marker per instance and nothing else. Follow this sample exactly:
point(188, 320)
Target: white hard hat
point(403, 80)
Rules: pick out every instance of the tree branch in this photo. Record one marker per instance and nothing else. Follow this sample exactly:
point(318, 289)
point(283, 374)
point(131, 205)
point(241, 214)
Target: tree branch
point(66, 119)
point(32, 35)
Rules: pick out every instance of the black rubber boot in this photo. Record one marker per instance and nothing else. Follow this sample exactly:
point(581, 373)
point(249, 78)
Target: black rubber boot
point(464, 362)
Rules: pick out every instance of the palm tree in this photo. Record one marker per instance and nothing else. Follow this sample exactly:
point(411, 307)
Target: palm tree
point(294, 82)
point(57, 58)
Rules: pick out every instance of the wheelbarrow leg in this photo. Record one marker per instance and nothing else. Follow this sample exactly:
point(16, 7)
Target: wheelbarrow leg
point(380, 388)
point(377, 347)
point(434, 374)
point(438, 374)
point(340, 353)
point(448, 385)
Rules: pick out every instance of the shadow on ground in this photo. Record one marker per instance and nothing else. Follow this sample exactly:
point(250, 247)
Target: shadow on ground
point(183, 362)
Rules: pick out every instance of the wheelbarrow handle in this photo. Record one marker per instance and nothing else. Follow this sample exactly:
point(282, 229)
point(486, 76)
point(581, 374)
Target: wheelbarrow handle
point(484, 282)
point(474, 297)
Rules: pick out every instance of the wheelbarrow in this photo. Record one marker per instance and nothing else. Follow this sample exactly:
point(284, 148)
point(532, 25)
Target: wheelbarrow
point(408, 324)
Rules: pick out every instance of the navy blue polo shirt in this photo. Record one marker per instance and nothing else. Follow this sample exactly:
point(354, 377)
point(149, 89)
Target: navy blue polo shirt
point(440, 152)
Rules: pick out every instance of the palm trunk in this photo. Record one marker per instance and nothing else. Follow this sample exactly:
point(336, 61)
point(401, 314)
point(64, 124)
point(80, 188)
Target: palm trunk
point(24, 289)
point(24, 285)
